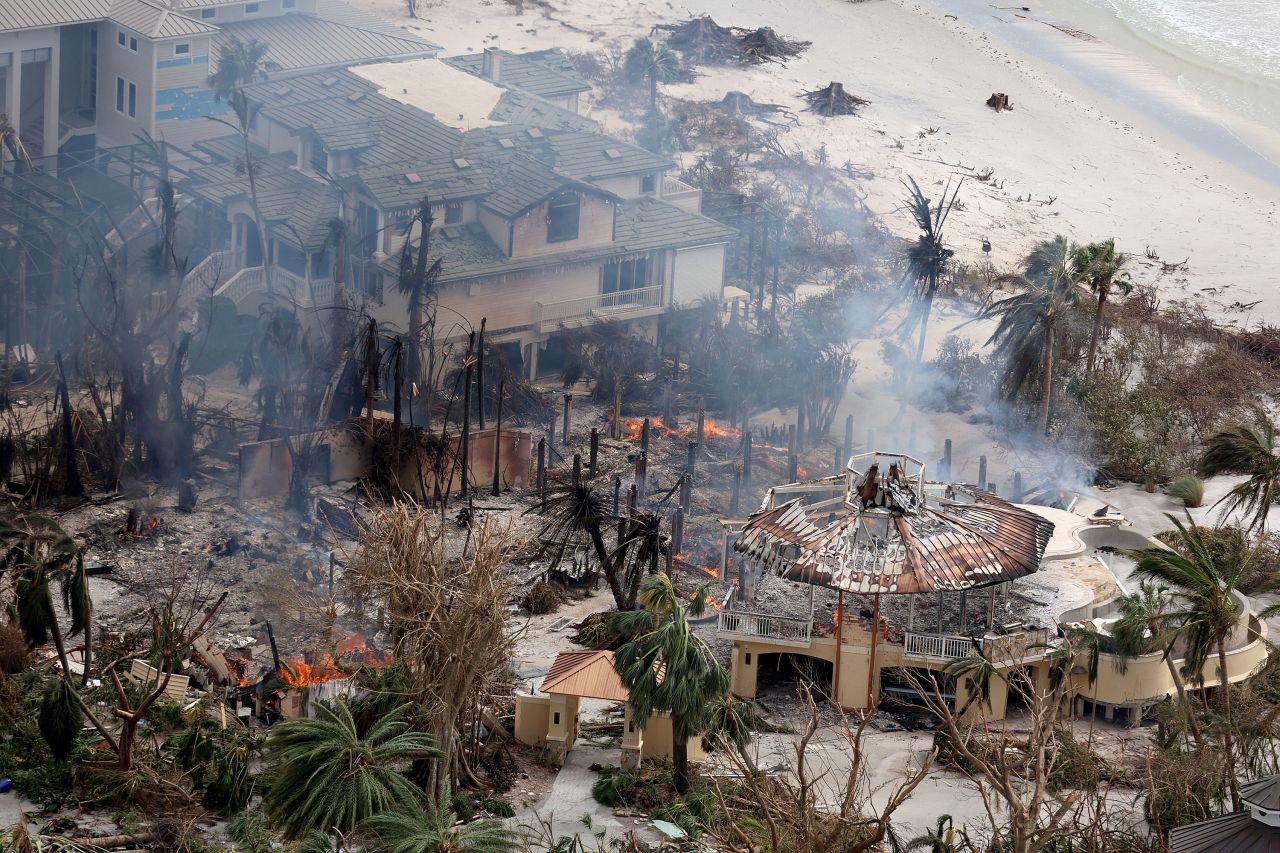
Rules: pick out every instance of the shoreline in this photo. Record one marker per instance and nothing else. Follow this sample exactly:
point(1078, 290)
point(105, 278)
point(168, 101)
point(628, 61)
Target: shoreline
point(1065, 160)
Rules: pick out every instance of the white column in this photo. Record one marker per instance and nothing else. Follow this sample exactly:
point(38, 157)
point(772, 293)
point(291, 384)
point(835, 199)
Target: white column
point(52, 94)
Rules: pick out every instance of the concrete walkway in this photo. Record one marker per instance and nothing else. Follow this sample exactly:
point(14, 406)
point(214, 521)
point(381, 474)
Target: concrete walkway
point(570, 797)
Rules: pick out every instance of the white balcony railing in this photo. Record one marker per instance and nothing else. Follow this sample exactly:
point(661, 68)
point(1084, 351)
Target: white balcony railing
point(1022, 645)
point(623, 305)
point(936, 647)
point(784, 630)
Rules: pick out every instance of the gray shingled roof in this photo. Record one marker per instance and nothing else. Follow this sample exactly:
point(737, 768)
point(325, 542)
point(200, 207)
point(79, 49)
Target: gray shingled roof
point(641, 225)
point(1233, 833)
point(439, 178)
point(592, 156)
point(299, 41)
point(1263, 793)
point(26, 14)
point(524, 182)
point(545, 73)
point(155, 20)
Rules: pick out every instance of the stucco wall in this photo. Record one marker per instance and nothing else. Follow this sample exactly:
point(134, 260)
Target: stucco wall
point(595, 228)
point(699, 272)
point(117, 128)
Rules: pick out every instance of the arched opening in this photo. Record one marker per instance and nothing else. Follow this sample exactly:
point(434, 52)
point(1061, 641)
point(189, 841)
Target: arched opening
point(782, 674)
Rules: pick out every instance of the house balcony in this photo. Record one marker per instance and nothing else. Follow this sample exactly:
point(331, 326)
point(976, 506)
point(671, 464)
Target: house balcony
point(220, 274)
point(779, 630)
point(583, 311)
point(1015, 647)
point(682, 195)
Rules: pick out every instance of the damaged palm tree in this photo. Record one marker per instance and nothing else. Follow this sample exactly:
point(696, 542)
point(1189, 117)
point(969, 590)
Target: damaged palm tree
point(928, 260)
point(447, 621)
point(833, 100)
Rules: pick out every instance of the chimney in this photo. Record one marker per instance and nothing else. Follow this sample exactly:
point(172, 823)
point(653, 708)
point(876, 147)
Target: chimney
point(491, 65)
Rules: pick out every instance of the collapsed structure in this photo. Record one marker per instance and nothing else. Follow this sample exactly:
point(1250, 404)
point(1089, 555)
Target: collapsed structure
point(879, 533)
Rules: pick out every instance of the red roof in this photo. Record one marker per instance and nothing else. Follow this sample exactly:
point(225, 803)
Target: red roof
point(585, 673)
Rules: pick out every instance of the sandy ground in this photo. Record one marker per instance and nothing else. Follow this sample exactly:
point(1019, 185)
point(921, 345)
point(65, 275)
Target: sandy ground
point(1067, 159)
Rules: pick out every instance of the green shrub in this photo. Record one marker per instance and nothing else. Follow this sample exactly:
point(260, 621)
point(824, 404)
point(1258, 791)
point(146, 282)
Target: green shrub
point(614, 787)
point(1189, 490)
point(496, 806)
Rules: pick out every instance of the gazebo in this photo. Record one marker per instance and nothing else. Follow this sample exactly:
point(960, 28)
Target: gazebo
point(1256, 829)
point(550, 717)
point(881, 529)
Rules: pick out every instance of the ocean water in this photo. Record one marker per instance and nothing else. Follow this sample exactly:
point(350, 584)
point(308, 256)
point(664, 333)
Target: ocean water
point(1228, 50)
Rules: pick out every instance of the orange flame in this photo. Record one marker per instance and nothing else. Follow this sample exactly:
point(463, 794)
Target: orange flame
point(299, 673)
point(632, 427)
point(355, 644)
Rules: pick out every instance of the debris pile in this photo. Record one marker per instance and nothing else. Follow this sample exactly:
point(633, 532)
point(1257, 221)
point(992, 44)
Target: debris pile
point(833, 100)
point(999, 102)
point(702, 41)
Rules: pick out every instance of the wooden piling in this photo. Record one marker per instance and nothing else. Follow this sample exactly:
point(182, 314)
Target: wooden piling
point(577, 469)
point(617, 491)
point(691, 458)
point(677, 532)
point(946, 460)
point(848, 438)
point(642, 470)
point(568, 408)
point(793, 469)
point(686, 493)
point(632, 497)
point(700, 435)
point(551, 429)
point(595, 453)
point(982, 472)
point(644, 436)
point(800, 426)
point(734, 495)
point(497, 441)
point(616, 425)
point(746, 461)
point(1017, 488)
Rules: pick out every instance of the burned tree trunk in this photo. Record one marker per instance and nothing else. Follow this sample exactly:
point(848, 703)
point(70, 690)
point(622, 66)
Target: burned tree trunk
point(999, 102)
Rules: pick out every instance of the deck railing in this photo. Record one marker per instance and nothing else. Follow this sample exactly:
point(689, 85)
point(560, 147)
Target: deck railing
point(936, 647)
point(216, 268)
point(624, 304)
point(785, 630)
point(1018, 646)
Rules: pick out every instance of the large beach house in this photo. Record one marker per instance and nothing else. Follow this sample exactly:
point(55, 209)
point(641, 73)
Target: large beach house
point(542, 221)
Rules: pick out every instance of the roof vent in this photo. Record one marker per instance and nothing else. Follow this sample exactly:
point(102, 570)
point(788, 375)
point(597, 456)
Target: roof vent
point(506, 143)
point(613, 153)
point(356, 97)
point(462, 164)
point(329, 82)
point(534, 133)
point(413, 177)
point(285, 92)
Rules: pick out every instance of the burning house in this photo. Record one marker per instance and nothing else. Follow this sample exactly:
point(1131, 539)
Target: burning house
point(880, 574)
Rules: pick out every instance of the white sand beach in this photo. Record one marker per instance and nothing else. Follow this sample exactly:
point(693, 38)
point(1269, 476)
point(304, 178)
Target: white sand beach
point(1100, 142)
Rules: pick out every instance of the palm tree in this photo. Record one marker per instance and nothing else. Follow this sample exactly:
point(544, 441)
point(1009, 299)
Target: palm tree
point(944, 837)
point(639, 553)
point(1144, 626)
point(928, 260)
point(1252, 452)
point(668, 668)
point(239, 63)
point(413, 829)
point(1098, 267)
point(1026, 334)
point(324, 775)
point(647, 60)
point(1206, 611)
point(575, 511)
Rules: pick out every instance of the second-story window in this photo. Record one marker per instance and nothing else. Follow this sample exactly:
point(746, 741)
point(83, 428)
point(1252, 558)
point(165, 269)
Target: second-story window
point(648, 184)
point(251, 8)
point(133, 44)
point(288, 4)
point(208, 14)
point(562, 217)
point(179, 49)
point(133, 101)
point(452, 212)
point(121, 38)
point(319, 157)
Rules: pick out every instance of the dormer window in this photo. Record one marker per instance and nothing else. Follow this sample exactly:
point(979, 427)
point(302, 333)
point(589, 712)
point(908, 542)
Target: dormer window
point(648, 184)
point(452, 212)
point(562, 217)
point(319, 157)
point(208, 14)
point(251, 8)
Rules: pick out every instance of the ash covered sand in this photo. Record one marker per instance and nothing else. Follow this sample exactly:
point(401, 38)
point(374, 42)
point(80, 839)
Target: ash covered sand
point(1066, 159)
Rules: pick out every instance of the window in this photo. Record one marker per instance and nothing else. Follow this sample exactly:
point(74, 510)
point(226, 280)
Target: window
point(119, 94)
point(748, 659)
point(621, 276)
point(562, 218)
point(121, 38)
point(179, 49)
point(133, 101)
point(556, 719)
point(648, 184)
point(452, 212)
point(133, 44)
point(319, 157)
point(251, 8)
point(208, 14)
point(288, 4)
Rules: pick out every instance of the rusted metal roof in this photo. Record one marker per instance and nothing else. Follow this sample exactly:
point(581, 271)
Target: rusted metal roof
point(585, 673)
point(1234, 833)
point(947, 544)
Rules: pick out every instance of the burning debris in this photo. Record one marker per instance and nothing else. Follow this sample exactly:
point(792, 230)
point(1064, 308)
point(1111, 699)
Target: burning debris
point(227, 547)
point(140, 524)
point(833, 100)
